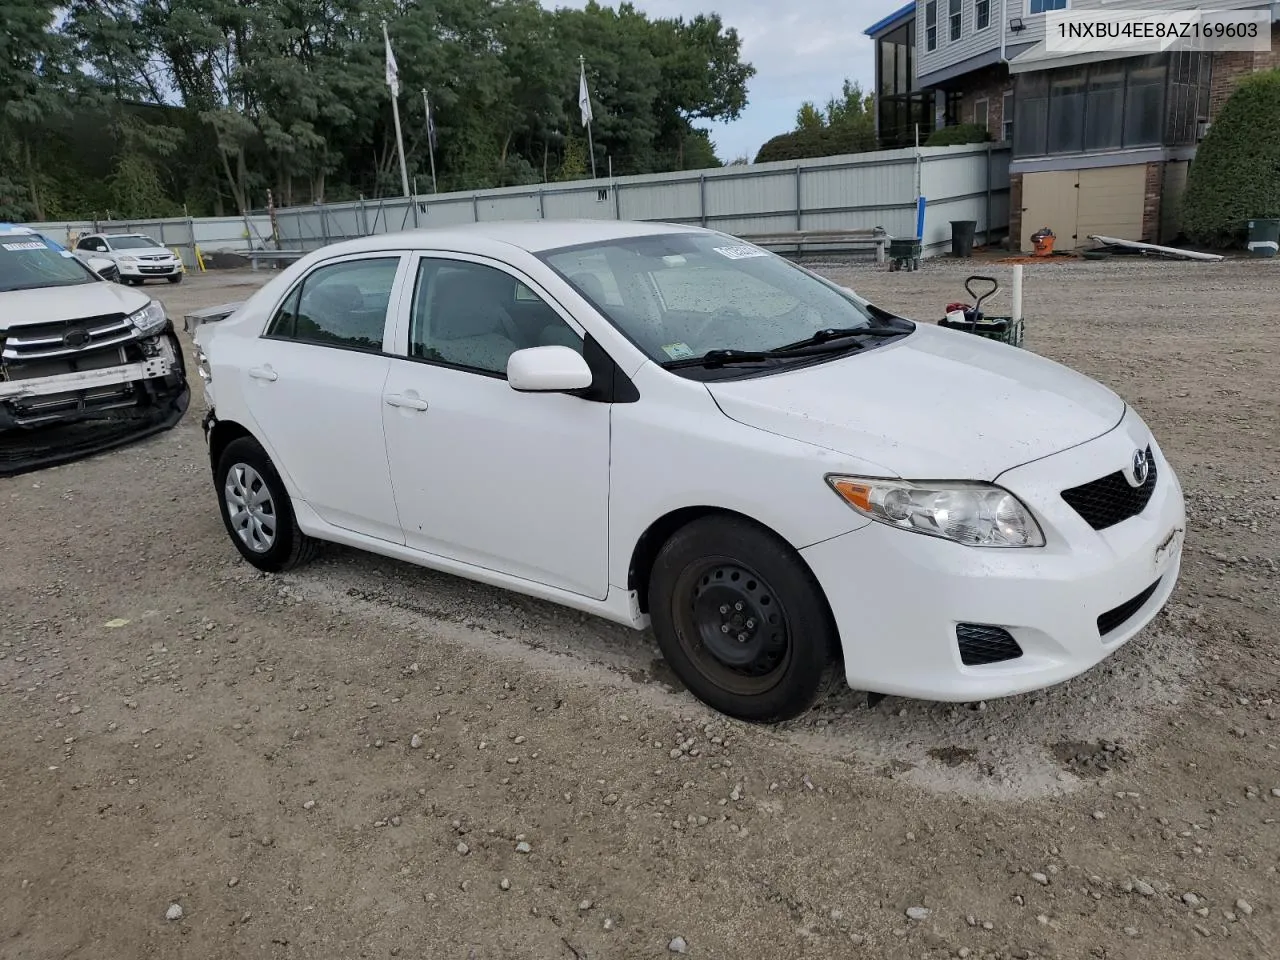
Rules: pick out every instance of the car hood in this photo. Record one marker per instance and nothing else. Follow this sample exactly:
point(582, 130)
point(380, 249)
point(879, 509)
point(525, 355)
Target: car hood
point(21, 308)
point(934, 405)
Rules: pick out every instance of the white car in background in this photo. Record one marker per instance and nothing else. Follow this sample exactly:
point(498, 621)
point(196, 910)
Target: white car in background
point(138, 257)
point(663, 425)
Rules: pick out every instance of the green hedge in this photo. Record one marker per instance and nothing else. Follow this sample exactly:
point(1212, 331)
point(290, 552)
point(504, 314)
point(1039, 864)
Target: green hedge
point(957, 134)
point(1236, 173)
point(818, 142)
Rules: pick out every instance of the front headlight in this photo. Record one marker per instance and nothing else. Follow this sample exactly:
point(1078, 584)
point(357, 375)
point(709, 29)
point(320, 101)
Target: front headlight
point(202, 365)
point(974, 514)
point(149, 320)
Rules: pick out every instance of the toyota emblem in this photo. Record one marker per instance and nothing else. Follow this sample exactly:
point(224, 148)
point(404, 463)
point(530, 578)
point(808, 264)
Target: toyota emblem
point(76, 338)
point(1140, 468)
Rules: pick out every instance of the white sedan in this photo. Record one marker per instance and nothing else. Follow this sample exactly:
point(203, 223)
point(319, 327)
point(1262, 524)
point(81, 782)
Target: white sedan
point(664, 426)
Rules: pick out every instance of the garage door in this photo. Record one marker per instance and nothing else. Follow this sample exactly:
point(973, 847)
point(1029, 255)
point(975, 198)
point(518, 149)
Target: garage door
point(1049, 200)
point(1111, 203)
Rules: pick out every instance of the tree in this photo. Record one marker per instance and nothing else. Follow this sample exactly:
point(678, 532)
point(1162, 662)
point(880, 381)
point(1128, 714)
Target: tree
point(156, 105)
point(844, 125)
point(1235, 176)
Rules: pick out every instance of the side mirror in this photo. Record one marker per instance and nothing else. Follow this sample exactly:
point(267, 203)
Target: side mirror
point(547, 370)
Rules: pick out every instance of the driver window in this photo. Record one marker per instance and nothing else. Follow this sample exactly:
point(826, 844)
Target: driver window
point(475, 316)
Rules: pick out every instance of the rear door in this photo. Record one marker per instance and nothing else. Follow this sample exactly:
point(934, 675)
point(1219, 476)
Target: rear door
point(314, 386)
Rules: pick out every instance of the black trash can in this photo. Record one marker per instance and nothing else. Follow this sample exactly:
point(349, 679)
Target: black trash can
point(962, 232)
point(1264, 237)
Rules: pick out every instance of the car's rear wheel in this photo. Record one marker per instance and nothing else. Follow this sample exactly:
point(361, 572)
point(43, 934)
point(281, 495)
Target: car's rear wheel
point(257, 510)
point(741, 619)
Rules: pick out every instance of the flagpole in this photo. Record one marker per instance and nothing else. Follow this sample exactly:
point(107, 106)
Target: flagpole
point(395, 112)
point(582, 62)
point(431, 147)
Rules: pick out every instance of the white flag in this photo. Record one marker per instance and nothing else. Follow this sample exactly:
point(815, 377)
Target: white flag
point(584, 99)
point(393, 72)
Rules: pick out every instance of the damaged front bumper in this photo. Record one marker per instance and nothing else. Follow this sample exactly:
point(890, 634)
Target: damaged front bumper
point(59, 407)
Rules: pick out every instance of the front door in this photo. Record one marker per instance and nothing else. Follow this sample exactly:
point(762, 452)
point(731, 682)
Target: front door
point(315, 386)
point(516, 483)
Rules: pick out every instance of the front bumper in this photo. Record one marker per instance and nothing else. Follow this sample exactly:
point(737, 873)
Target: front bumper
point(146, 270)
point(49, 420)
point(898, 597)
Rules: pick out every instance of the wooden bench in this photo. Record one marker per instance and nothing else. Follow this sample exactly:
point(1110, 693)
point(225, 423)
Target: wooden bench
point(877, 237)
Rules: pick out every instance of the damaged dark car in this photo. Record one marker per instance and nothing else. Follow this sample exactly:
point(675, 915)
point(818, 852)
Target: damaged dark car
point(86, 365)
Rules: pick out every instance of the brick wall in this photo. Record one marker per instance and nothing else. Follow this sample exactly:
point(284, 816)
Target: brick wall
point(1151, 203)
point(1015, 211)
point(1230, 67)
point(990, 84)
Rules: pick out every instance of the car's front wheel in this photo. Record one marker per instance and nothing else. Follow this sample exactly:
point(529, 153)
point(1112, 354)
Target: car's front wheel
point(175, 278)
point(256, 509)
point(741, 619)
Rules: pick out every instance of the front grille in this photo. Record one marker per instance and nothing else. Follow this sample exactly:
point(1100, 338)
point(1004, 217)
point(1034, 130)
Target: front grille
point(1114, 619)
point(51, 339)
point(1112, 499)
point(981, 644)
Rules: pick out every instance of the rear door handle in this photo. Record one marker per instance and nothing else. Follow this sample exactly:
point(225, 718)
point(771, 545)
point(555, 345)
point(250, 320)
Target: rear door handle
point(403, 400)
point(263, 373)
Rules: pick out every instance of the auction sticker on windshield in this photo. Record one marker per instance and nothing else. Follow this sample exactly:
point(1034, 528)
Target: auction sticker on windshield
point(25, 245)
point(678, 351)
point(742, 252)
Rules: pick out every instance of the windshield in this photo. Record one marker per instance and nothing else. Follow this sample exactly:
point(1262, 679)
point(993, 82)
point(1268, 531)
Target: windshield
point(679, 296)
point(28, 262)
point(132, 243)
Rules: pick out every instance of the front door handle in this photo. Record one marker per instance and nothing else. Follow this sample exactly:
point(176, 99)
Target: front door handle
point(403, 400)
point(263, 373)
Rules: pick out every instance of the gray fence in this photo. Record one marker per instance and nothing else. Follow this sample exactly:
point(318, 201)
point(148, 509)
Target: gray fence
point(181, 234)
point(854, 192)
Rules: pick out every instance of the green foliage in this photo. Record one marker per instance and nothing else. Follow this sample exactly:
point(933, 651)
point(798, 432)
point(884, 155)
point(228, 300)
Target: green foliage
point(1236, 173)
point(845, 125)
point(957, 134)
point(207, 104)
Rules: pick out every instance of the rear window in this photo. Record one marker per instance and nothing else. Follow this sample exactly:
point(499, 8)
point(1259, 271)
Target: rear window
point(28, 262)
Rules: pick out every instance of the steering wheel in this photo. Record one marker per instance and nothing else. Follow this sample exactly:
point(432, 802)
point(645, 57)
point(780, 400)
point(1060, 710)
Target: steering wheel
point(725, 315)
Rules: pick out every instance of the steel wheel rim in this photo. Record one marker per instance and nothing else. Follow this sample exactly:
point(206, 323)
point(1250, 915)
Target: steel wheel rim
point(733, 626)
point(251, 510)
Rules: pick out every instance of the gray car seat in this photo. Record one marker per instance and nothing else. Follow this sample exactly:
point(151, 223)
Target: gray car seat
point(470, 326)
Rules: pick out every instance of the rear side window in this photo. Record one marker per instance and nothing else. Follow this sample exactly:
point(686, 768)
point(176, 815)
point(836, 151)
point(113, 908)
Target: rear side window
point(339, 305)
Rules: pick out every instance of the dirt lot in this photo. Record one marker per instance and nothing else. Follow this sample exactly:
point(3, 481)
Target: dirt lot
point(349, 761)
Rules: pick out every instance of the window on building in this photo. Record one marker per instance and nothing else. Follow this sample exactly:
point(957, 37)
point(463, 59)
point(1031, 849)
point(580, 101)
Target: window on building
point(956, 18)
point(981, 113)
point(1044, 6)
point(1104, 107)
point(1134, 102)
point(1066, 110)
point(1032, 117)
point(1144, 102)
point(931, 25)
point(900, 106)
point(981, 14)
point(1006, 117)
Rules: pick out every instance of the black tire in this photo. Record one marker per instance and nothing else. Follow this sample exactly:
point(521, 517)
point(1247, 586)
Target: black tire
point(175, 278)
point(699, 578)
point(289, 547)
point(133, 281)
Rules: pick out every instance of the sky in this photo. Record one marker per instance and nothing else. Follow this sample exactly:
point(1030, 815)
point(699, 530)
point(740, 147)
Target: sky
point(801, 50)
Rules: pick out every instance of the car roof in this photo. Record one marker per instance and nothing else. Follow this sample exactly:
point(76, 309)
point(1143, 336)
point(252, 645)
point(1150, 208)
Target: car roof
point(108, 236)
point(533, 236)
point(16, 230)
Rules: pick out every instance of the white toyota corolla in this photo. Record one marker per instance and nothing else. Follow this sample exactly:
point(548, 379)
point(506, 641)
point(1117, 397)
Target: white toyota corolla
point(662, 425)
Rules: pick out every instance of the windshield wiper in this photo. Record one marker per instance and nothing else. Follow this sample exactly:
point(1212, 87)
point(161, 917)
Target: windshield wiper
point(840, 333)
point(720, 358)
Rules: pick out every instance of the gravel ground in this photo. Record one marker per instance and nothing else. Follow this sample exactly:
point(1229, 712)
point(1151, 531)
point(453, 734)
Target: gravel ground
point(364, 758)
